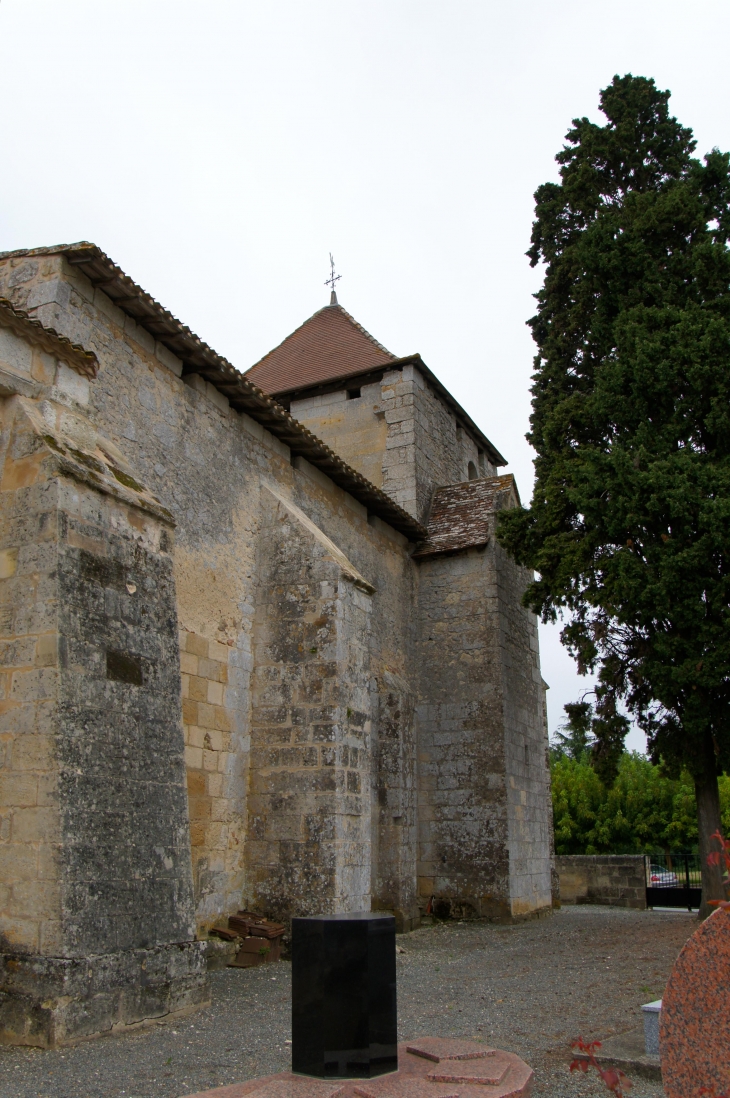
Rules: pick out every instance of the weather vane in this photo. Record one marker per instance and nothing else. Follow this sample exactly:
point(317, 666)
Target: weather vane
point(332, 280)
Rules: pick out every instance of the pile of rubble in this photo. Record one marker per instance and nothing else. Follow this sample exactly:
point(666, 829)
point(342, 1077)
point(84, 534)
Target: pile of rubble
point(257, 940)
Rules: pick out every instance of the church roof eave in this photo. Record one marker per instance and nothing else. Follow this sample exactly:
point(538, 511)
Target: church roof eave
point(243, 395)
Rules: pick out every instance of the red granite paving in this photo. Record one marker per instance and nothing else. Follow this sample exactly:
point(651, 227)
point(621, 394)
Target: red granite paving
point(465, 1070)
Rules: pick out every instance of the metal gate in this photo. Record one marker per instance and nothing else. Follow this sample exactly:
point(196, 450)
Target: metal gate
point(673, 880)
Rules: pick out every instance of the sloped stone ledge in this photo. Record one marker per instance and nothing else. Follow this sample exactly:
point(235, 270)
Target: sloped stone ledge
point(49, 1001)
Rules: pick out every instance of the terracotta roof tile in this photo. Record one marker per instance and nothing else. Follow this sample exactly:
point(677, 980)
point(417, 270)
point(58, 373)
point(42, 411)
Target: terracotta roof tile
point(83, 361)
point(328, 346)
point(460, 515)
point(197, 357)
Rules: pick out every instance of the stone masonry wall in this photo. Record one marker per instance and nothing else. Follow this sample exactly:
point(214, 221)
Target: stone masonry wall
point(98, 859)
point(180, 434)
point(354, 427)
point(527, 772)
point(464, 830)
point(210, 467)
point(379, 553)
point(399, 434)
point(483, 782)
point(216, 775)
point(426, 448)
point(206, 463)
point(309, 804)
point(29, 814)
point(618, 880)
point(124, 830)
point(394, 799)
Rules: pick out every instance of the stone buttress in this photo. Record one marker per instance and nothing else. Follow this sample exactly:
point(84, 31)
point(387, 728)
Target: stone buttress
point(308, 845)
point(96, 906)
point(484, 793)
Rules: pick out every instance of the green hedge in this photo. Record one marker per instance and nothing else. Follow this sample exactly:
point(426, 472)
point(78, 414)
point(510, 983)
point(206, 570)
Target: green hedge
point(643, 812)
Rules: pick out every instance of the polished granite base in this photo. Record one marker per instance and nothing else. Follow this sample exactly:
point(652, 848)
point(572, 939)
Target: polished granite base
point(344, 1023)
point(694, 1025)
point(431, 1067)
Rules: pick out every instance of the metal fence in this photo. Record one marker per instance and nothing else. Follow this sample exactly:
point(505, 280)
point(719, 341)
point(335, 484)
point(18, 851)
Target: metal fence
point(673, 880)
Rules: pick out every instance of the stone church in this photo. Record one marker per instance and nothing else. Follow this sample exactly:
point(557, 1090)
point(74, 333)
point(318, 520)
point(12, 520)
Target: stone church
point(258, 647)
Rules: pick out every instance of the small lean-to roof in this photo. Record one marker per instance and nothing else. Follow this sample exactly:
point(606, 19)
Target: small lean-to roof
point(198, 358)
point(460, 514)
point(331, 344)
point(22, 324)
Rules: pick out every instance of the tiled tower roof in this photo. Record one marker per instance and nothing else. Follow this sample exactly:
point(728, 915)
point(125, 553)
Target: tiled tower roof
point(330, 345)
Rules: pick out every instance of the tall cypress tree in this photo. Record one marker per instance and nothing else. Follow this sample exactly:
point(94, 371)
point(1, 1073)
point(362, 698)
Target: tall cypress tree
point(629, 526)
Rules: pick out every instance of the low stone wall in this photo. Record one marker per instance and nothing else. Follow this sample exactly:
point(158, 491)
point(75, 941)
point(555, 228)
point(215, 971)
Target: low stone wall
point(618, 880)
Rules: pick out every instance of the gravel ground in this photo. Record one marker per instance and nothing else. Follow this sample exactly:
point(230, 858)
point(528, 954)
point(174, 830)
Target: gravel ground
point(529, 988)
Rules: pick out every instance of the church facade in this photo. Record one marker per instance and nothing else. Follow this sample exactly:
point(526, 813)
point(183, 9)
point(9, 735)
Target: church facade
point(258, 648)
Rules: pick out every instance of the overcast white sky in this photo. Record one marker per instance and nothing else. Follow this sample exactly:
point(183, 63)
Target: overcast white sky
point(219, 150)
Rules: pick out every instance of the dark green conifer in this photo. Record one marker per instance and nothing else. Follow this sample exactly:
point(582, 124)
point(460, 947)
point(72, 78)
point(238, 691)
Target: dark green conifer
point(574, 739)
point(629, 526)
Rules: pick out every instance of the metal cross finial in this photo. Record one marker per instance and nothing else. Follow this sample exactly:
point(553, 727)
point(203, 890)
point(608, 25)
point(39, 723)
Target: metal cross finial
point(332, 280)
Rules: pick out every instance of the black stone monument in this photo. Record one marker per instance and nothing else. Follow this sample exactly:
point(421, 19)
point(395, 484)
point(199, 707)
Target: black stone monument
point(344, 1021)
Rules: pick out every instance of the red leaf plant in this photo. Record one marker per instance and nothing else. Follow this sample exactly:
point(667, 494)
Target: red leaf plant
point(614, 1079)
point(721, 857)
